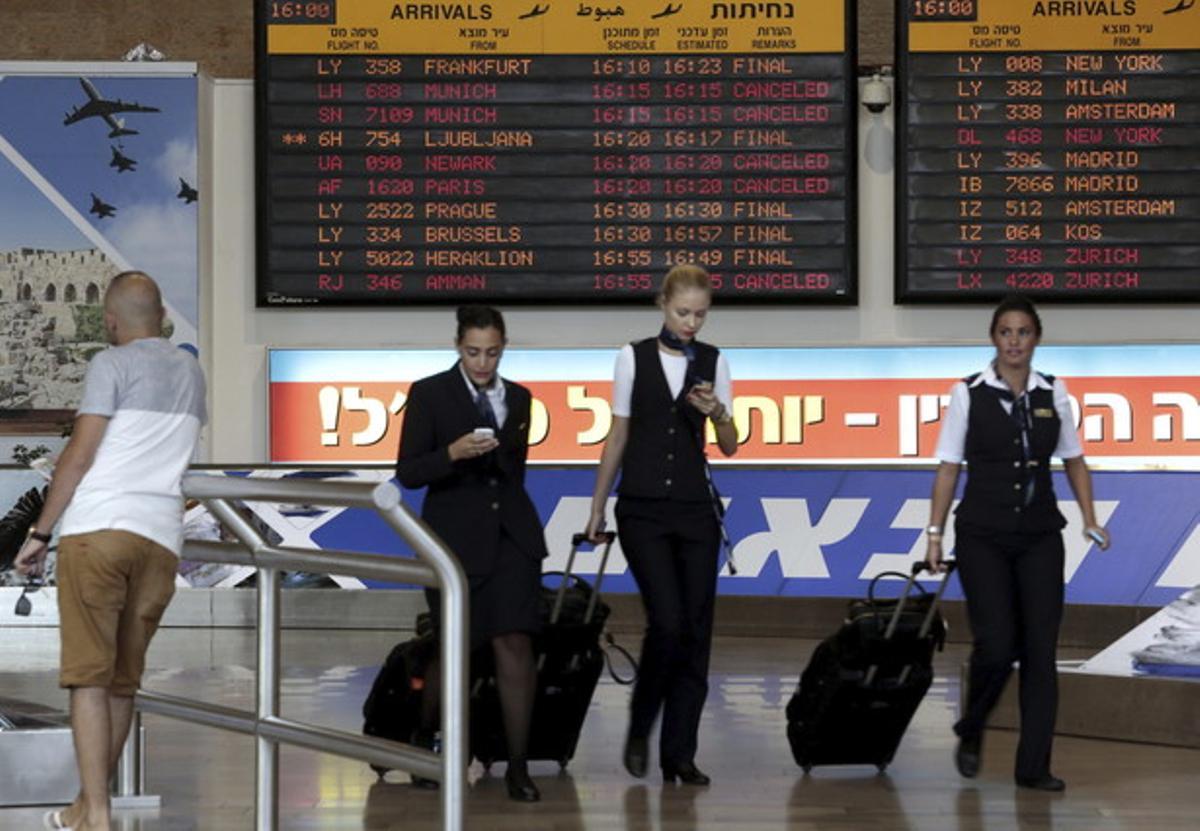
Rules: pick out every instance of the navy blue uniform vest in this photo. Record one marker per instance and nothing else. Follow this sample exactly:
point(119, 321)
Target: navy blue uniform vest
point(663, 456)
point(994, 497)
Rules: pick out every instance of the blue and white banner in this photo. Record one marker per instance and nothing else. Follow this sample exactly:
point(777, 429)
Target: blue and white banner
point(825, 533)
point(800, 533)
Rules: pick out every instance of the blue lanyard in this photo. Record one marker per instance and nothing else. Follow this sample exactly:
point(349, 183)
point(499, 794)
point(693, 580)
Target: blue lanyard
point(1023, 416)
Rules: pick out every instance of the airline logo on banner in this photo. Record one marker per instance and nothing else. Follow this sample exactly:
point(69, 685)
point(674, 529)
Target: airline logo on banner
point(1138, 404)
point(826, 533)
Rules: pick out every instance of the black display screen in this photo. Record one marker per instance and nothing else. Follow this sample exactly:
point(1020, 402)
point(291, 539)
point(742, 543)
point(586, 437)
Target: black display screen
point(475, 168)
point(1049, 149)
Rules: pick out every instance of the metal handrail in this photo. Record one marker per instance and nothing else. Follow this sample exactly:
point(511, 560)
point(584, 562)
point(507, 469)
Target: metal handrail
point(436, 567)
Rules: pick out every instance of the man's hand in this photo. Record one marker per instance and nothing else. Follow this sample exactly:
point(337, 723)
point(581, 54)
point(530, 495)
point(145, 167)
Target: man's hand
point(31, 559)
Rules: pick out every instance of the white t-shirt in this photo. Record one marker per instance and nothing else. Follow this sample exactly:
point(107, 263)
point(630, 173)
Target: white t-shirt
point(952, 441)
point(675, 368)
point(153, 396)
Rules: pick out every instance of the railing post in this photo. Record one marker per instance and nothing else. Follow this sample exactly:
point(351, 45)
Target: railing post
point(452, 583)
point(454, 698)
point(130, 776)
point(130, 784)
point(267, 750)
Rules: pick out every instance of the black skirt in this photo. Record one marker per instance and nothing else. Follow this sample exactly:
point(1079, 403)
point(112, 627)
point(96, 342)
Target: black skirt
point(507, 599)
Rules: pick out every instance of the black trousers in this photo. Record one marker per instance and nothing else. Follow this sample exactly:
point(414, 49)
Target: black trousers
point(1014, 591)
point(672, 549)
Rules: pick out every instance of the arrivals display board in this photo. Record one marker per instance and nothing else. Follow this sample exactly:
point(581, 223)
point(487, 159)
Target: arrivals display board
point(545, 151)
point(1048, 147)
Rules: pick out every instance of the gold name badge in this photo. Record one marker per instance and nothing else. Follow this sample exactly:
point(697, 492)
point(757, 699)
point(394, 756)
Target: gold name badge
point(1043, 412)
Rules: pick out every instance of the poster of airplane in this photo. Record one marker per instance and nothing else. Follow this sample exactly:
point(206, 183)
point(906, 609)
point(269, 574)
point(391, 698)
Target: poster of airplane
point(97, 175)
point(105, 108)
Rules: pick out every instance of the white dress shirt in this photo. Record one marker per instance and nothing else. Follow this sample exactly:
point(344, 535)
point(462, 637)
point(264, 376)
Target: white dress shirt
point(953, 438)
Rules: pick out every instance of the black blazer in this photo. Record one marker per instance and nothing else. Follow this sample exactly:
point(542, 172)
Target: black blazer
point(469, 502)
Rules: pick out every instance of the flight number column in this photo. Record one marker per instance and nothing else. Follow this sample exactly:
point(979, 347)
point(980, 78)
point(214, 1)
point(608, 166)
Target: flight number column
point(1024, 160)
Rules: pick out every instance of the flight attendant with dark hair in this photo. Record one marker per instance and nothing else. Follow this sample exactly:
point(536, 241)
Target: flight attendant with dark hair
point(1006, 423)
point(666, 389)
point(466, 438)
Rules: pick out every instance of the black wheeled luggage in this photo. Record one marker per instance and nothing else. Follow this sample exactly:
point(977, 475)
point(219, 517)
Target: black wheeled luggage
point(392, 709)
point(570, 655)
point(863, 684)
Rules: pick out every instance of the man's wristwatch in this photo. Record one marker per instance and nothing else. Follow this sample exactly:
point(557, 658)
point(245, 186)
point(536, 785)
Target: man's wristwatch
point(35, 534)
point(722, 416)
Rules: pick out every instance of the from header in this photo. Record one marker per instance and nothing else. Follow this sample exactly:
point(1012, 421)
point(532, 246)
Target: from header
point(1052, 25)
point(551, 27)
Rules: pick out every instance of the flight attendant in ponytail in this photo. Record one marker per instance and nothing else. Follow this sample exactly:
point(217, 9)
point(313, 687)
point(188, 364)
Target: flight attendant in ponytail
point(666, 389)
point(1006, 423)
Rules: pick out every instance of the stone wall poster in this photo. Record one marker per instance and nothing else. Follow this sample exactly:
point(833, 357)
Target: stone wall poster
point(97, 175)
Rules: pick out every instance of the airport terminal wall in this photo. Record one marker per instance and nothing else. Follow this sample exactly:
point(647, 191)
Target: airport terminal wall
point(234, 334)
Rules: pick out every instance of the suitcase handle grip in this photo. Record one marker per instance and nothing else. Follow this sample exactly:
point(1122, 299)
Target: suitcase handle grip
point(921, 565)
point(576, 541)
point(581, 538)
point(910, 582)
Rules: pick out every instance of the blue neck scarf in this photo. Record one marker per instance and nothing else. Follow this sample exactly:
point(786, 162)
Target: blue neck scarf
point(672, 341)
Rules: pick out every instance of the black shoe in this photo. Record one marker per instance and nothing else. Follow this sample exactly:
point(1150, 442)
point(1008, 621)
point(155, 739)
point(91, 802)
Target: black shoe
point(637, 756)
point(687, 773)
point(520, 786)
point(1046, 782)
point(966, 756)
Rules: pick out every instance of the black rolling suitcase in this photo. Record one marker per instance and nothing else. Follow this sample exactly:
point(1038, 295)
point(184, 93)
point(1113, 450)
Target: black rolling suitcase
point(863, 684)
point(570, 655)
point(392, 708)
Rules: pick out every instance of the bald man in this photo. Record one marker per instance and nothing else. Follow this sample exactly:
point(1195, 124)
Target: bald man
point(116, 489)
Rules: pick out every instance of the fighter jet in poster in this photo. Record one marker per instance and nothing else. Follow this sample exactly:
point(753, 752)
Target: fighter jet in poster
point(187, 193)
point(100, 107)
point(101, 208)
point(122, 162)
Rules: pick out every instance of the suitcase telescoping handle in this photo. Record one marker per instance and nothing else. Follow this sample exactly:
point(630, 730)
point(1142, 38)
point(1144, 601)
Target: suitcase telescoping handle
point(917, 568)
point(576, 541)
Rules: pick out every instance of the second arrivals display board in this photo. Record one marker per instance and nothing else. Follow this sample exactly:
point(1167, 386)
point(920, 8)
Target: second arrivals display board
point(553, 151)
point(1048, 147)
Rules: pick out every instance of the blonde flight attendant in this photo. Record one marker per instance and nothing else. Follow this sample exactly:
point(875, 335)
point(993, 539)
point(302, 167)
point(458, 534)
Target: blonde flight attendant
point(666, 388)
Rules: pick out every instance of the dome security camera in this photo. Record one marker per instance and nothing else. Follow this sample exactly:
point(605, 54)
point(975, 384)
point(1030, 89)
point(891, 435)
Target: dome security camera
point(876, 95)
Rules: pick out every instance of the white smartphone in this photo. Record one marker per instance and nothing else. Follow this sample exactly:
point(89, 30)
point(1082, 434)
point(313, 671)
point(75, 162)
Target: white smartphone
point(484, 432)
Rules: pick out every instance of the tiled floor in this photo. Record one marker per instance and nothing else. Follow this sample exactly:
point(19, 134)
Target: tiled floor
point(205, 777)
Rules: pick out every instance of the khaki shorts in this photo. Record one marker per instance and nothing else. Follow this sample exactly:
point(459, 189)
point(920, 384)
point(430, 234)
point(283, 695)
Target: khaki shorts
point(113, 587)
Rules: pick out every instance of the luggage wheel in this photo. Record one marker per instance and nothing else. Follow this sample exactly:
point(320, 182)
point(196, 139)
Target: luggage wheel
point(882, 767)
point(806, 768)
point(562, 764)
